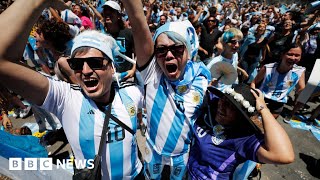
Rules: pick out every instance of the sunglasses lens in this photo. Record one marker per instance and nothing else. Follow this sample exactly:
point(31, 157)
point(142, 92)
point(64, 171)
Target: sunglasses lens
point(75, 64)
point(161, 52)
point(178, 49)
point(175, 50)
point(234, 41)
point(93, 62)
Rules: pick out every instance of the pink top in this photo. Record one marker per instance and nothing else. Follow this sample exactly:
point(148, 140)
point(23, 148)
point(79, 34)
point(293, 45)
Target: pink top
point(86, 22)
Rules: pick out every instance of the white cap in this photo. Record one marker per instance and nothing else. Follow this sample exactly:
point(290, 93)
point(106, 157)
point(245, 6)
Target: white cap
point(94, 39)
point(114, 5)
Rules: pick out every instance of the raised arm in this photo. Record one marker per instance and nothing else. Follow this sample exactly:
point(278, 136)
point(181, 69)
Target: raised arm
point(277, 147)
point(96, 12)
point(55, 15)
point(23, 81)
point(141, 34)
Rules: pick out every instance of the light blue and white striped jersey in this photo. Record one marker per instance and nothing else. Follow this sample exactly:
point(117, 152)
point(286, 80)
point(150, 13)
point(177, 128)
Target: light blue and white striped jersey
point(83, 121)
point(233, 61)
point(172, 110)
point(276, 86)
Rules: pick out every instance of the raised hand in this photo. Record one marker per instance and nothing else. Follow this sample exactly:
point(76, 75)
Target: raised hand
point(260, 103)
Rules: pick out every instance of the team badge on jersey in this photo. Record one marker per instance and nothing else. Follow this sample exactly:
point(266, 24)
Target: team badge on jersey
point(182, 89)
point(218, 137)
point(196, 97)
point(289, 83)
point(131, 110)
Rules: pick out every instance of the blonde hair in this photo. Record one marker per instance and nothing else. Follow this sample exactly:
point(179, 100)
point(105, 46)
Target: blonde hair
point(230, 34)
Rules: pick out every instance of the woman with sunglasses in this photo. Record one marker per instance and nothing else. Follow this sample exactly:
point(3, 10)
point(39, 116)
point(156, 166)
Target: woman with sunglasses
point(208, 38)
point(230, 43)
point(174, 85)
point(82, 109)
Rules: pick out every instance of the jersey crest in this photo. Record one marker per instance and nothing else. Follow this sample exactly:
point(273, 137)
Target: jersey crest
point(218, 135)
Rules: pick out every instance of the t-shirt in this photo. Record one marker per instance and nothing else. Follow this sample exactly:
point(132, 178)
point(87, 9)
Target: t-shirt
point(126, 44)
point(208, 41)
point(83, 121)
point(86, 22)
point(125, 41)
point(171, 110)
point(277, 86)
point(214, 155)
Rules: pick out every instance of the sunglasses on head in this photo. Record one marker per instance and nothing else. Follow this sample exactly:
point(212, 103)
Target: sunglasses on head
point(95, 63)
point(162, 51)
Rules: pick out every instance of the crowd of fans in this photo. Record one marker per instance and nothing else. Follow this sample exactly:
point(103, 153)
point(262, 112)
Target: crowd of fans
point(273, 47)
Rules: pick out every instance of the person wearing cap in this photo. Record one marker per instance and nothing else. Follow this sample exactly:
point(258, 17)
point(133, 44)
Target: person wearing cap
point(114, 25)
point(229, 132)
point(174, 86)
point(79, 108)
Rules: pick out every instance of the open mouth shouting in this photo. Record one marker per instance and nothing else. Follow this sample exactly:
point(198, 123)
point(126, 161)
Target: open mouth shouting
point(91, 83)
point(172, 69)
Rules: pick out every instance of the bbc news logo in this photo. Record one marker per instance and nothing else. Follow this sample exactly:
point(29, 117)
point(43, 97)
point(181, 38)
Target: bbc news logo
point(46, 164)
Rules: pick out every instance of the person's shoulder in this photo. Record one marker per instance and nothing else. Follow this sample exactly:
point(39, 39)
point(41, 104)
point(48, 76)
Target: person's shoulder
point(125, 31)
point(298, 68)
point(271, 65)
point(214, 60)
point(129, 89)
point(132, 92)
point(75, 87)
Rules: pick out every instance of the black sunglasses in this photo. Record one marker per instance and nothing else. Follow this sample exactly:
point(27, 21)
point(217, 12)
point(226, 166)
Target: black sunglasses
point(211, 20)
point(234, 41)
point(162, 51)
point(94, 63)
